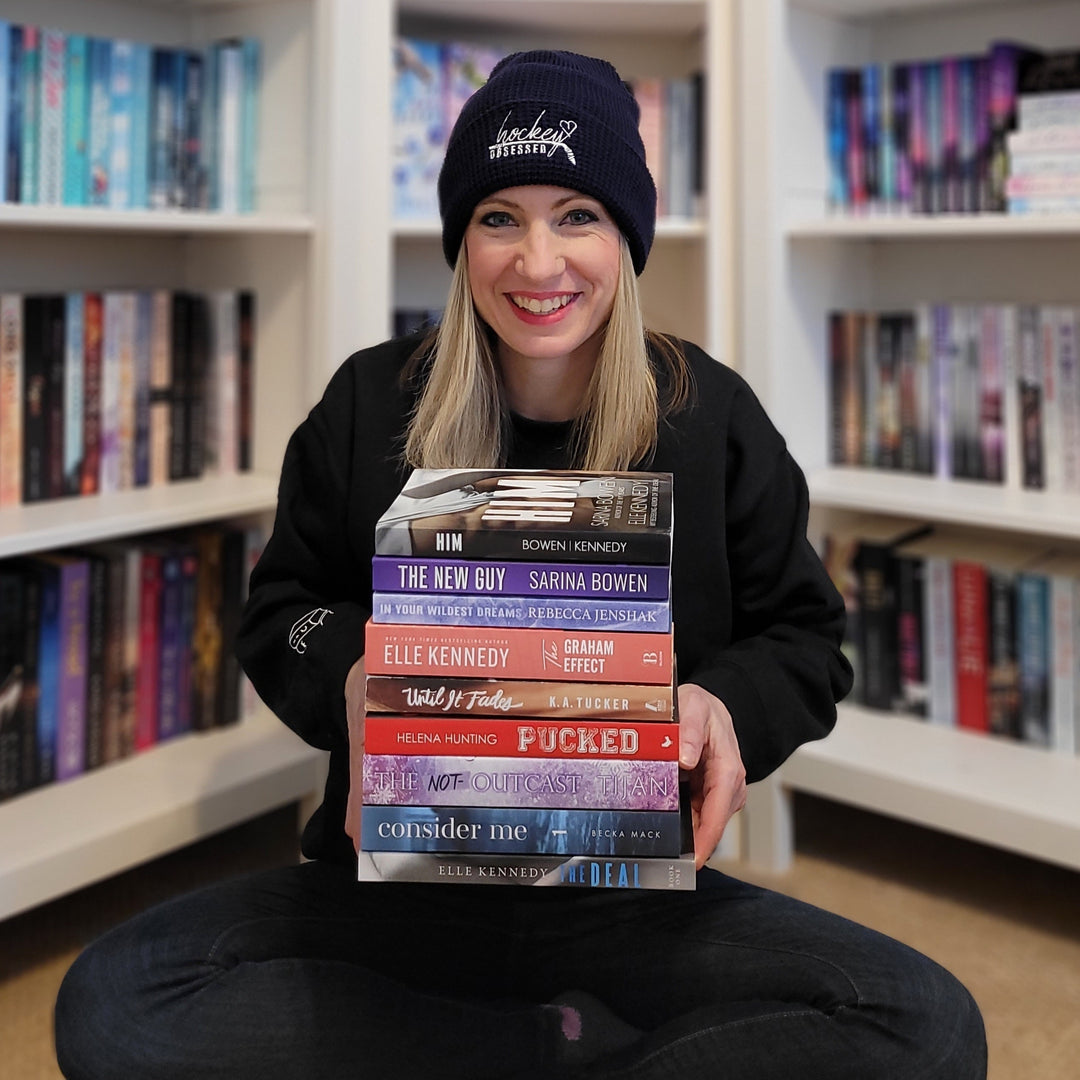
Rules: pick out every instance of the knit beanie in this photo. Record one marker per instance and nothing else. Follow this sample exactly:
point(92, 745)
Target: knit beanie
point(554, 118)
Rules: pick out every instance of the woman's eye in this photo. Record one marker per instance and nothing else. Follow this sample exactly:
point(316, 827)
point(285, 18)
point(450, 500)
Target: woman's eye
point(496, 219)
point(581, 216)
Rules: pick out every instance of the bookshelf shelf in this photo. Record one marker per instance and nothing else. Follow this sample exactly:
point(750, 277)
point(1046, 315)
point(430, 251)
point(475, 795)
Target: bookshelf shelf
point(799, 262)
point(957, 502)
point(69, 835)
point(939, 227)
point(1017, 797)
point(86, 519)
point(153, 221)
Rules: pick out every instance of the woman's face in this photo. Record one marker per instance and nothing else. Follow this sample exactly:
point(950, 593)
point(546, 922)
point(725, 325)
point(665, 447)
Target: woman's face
point(543, 269)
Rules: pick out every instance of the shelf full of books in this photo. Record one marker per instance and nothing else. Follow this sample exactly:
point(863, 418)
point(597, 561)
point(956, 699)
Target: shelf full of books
point(97, 121)
point(520, 684)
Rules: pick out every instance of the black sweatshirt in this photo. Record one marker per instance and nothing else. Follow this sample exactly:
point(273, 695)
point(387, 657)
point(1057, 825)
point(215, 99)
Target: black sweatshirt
point(757, 621)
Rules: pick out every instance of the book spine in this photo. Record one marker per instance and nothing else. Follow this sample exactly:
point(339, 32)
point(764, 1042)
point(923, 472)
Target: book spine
point(574, 871)
point(910, 634)
point(527, 738)
point(148, 666)
point(1063, 138)
point(99, 122)
point(230, 126)
point(12, 151)
point(141, 348)
point(132, 654)
point(1029, 378)
point(6, 64)
point(502, 578)
point(71, 704)
point(1002, 686)
point(555, 783)
point(1069, 397)
point(971, 629)
point(31, 113)
point(35, 400)
point(54, 412)
point(126, 362)
point(51, 118)
point(141, 97)
point(114, 688)
point(588, 656)
point(207, 641)
point(180, 367)
point(96, 636)
point(901, 134)
point(168, 716)
point(48, 675)
point(991, 394)
point(249, 124)
point(222, 434)
point(30, 702)
point(74, 382)
point(198, 364)
point(245, 307)
point(191, 135)
point(1033, 656)
point(75, 120)
point(161, 128)
point(876, 567)
point(419, 609)
point(109, 478)
point(160, 402)
point(11, 398)
point(836, 118)
point(502, 697)
point(940, 640)
point(508, 830)
point(1064, 698)
point(178, 128)
point(93, 333)
point(1053, 450)
point(189, 569)
point(12, 680)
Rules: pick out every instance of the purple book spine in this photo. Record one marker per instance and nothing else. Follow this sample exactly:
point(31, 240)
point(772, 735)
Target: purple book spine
point(74, 628)
point(558, 783)
point(541, 612)
point(642, 582)
point(169, 666)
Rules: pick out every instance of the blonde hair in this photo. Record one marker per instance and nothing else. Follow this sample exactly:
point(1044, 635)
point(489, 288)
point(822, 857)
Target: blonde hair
point(462, 419)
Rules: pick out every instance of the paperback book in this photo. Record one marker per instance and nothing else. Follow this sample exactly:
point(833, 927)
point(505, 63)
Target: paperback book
point(557, 515)
point(416, 694)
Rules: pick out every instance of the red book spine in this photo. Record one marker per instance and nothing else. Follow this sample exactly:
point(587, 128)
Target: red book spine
point(972, 645)
point(147, 680)
point(520, 738)
point(519, 653)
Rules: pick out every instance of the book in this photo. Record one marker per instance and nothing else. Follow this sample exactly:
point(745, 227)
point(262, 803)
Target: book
point(568, 871)
point(418, 127)
point(51, 117)
point(501, 697)
point(519, 578)
point(12, 150)
point(528, 737)
point(551, 783)
point(1006, 60)
point(506, 830)
point(48, 670)
point(99, 122)
point(1062, 570)
point(559, 515)
point(11, 397)
point(12, 620)
point(93, 337)
point(74, 386)
point(148, 666)
point(574, 656)
point(169, 631)
point(576, 613)
point(97, 614)
point(1034, 655)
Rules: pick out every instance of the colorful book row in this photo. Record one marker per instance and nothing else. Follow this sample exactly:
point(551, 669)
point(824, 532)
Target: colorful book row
point(1044, 152)
point(108, 650)
point(88, 121)
point(927, 136)
point(103, 391)
point(963, 631)
point(432, 80)
point(964, 391)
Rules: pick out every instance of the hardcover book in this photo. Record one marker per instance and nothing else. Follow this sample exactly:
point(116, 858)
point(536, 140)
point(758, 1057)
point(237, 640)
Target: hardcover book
point(522, 611)
point(519, 578)
point(509, 830)
point(558, 515)
point(582, 656)
point(552, 783)
point(503, 697)
point(525, 738)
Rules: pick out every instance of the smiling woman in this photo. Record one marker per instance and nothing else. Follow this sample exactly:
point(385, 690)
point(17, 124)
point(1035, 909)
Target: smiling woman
point(541, 361)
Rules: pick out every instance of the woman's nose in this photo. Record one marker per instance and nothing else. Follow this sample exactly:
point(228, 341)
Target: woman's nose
point(539, 257)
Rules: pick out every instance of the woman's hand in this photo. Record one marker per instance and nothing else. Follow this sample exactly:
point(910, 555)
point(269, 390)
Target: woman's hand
point(354, 714)
point(709, 752)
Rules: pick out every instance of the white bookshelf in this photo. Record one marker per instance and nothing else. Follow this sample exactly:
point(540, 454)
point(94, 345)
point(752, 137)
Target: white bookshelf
point(328, 266)
point(798, 261)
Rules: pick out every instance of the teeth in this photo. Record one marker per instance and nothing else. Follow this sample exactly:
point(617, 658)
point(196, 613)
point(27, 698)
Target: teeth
point(542, 307)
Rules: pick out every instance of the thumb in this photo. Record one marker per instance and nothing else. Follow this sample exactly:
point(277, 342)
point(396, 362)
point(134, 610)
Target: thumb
point(689, 747)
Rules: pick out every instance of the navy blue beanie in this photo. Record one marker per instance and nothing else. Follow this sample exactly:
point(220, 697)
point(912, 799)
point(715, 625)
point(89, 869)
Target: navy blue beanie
point(556, 118)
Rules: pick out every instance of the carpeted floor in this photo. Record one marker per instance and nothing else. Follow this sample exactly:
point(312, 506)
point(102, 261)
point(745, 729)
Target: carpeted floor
point(1009, 927)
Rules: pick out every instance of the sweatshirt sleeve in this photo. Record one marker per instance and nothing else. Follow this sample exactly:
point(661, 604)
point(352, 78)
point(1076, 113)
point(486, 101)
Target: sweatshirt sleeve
point(303, 625)
point(782, 671)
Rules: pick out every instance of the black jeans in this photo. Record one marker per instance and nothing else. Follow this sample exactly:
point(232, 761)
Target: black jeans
point(301, 973)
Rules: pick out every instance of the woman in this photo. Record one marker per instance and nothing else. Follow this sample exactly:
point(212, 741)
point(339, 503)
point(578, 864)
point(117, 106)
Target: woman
point(541, 361)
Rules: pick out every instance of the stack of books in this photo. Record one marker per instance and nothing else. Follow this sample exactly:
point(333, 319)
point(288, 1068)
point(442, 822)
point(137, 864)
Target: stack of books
point(520, 684)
